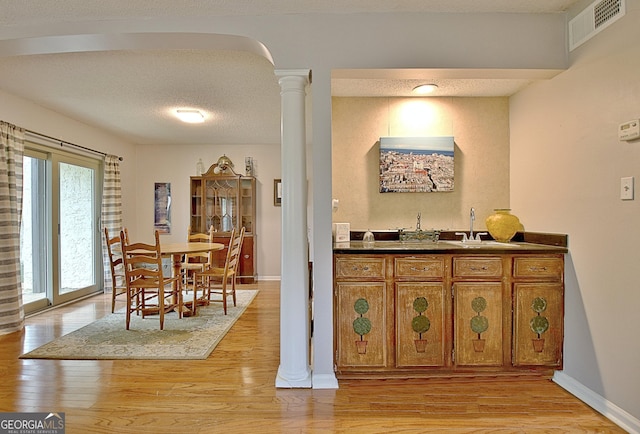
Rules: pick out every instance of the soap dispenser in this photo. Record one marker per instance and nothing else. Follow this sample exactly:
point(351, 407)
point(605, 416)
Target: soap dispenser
point(368, 240)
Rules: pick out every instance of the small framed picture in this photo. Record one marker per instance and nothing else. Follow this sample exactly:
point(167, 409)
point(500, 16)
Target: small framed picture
point(277, 192)
point(162, 207)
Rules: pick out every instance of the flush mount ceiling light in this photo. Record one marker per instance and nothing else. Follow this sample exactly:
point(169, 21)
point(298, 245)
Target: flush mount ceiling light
point(190, 116)
point(424, 89)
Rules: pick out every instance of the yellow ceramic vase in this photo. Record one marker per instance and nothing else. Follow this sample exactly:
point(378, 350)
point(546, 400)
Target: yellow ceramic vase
point(502, 225)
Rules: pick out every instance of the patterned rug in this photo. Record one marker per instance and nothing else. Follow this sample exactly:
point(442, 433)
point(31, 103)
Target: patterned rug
point(186, 338)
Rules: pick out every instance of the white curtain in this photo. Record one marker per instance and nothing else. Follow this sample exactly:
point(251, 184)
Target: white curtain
point(111, 210)
point(11, 152)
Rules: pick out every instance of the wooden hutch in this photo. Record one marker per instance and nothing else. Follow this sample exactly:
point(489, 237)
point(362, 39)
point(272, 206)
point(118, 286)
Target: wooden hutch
point(226, 201)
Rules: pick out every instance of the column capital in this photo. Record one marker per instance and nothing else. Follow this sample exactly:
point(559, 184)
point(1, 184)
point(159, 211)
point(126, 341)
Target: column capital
point(300, 73)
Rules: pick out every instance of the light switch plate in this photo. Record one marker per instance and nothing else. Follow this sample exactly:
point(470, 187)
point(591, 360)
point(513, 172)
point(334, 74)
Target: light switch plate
point(626, 188)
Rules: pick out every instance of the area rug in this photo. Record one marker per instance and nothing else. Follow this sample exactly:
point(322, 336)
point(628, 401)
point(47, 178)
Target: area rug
point(187, 338)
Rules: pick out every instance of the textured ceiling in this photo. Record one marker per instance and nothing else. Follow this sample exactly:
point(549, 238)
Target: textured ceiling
point(133, 93)
point(130, 93)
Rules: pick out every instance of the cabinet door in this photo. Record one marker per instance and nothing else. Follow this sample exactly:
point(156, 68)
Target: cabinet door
point(419, 268)
point(196, 222)
point(477, 267)
point(420, 324)
point(478, 323)
point(246, 268)
point(361, 324)
point(247, 203)
point(220, 256)
point(538, 267)
point(538, 324)
point(358, 267)
point(221, 203)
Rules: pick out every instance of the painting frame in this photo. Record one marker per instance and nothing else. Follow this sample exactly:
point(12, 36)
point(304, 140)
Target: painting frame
point(277, 192)
point(162, 207)
point(416, 164)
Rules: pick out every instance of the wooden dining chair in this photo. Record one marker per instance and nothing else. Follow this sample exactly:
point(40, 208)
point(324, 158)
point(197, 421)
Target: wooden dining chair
point(116, 267)
point(146, 282)
point(222, 280)
point(196, 261)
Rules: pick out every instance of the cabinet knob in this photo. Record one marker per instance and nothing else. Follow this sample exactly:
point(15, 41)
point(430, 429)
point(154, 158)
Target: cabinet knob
point(247, 256)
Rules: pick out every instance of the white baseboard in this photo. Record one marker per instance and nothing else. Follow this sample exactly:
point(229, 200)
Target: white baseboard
point(268, 278)
point(324, 381)
point(611, 411)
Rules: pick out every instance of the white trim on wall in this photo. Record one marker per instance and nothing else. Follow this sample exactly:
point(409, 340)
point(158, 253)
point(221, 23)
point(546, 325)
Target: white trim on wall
point(611, 411)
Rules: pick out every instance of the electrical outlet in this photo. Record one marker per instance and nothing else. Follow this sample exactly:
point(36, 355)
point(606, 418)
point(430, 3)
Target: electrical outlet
point(626, 188)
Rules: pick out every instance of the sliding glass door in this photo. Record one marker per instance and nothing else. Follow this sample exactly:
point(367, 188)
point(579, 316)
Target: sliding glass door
point(35, 232)
point(77, 224)
point(60, 237)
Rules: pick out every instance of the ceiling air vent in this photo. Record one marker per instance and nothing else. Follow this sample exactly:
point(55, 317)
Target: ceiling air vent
point(595, 18)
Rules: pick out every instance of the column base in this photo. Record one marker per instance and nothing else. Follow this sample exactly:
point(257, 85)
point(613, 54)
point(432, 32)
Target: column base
point(293, 383)
point(324, 381)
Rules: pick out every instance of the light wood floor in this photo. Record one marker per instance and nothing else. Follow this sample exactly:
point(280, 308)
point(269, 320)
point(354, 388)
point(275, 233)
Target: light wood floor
point(233, 390)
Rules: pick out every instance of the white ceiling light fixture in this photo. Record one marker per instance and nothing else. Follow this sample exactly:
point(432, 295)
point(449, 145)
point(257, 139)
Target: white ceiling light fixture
point(190, 116)
point(425, 89)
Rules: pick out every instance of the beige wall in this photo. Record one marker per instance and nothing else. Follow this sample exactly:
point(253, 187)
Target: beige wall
point(26, 114)
point(176, 164)
point(480, 127)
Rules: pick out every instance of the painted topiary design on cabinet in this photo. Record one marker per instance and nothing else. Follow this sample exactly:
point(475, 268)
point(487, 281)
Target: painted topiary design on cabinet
point(361, 325)
point(539, 324)
point(420, 324)
point(479, 323)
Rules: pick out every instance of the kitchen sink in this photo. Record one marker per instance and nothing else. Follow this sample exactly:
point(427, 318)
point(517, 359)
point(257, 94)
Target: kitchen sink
point(479, 244)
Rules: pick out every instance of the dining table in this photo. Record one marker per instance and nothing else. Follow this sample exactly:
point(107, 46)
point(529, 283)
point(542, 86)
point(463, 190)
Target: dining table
point(176, 251)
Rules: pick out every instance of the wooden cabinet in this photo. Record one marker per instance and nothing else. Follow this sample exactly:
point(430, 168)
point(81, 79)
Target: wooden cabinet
point(538, 311)
point(448, 314)
point(362, 305)
point(225, 202)
point(421, 306)
point(421, 324)
point(479, 310)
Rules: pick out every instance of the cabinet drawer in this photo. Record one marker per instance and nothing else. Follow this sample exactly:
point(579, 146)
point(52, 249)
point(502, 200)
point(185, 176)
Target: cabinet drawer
point(540, 267)
point(427, 267)
point(480, 266)
point(369, 268)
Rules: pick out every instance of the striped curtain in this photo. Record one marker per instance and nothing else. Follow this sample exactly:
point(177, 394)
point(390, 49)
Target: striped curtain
point(111, 210)
point(11, 151)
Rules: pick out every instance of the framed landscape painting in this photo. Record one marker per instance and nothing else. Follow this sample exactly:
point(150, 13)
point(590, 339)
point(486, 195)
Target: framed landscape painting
point(416, 164)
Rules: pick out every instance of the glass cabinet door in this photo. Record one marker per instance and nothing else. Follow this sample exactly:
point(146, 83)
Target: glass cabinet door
point(247, 187)
point(221, 204)
point(196, 222)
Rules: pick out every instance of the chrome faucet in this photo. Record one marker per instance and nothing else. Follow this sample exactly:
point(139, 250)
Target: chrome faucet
point(470, 238)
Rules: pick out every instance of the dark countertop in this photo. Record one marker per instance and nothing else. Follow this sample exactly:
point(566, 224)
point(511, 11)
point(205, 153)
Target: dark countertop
point(522, 243)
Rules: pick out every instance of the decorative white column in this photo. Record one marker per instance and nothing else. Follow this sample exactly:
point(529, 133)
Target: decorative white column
point(294, 370)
